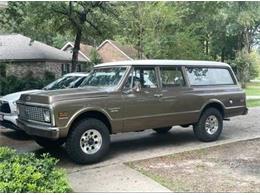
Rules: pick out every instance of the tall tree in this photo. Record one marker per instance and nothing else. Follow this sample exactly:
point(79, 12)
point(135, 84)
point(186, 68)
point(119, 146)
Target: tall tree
point(80, 15)
point(46, 21)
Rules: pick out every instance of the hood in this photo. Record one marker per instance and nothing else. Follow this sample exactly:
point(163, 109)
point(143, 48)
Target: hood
point(15, 96)
point(48, 97)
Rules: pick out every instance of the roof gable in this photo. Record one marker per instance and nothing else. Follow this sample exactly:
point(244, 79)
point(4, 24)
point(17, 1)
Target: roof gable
point(128, 51)
point(85, 50)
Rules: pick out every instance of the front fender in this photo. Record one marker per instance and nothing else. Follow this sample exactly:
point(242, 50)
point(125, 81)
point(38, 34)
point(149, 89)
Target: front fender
point(66, 128)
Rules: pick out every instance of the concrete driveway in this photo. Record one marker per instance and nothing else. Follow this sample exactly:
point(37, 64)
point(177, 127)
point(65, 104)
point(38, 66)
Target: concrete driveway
point(112, 175)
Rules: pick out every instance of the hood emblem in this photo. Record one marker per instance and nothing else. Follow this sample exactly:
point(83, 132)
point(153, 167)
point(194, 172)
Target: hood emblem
point(28, 98)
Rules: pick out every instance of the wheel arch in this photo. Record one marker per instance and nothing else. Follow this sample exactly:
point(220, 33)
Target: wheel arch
point(214, 103)
point(91, 113)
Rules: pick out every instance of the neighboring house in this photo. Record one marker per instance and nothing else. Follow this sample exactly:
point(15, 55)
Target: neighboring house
point(111, 51)
point(84, 52)
point(20, 55)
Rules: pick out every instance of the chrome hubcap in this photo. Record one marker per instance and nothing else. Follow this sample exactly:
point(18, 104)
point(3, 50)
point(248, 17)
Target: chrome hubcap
point(211, 124)
point(91, 141)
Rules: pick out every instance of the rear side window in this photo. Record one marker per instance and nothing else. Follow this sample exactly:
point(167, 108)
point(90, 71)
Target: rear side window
point(209, 76)
point(171, 77)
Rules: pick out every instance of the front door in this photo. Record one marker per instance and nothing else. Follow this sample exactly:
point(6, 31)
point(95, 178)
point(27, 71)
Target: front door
point(140, 96)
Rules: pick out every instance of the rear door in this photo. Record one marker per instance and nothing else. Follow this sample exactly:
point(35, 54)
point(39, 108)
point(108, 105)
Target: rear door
point(176, 99)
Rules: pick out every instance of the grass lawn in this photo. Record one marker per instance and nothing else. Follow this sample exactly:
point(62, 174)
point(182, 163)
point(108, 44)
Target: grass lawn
point(253, 103)
point(253, 89)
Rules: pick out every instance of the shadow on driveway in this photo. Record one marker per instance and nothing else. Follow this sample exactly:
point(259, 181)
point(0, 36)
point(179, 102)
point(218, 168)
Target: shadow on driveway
point(16, 135)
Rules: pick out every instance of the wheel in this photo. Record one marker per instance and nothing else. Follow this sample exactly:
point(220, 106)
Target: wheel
point(162, 130)
point(48, 143)
point(88, 141)
point(209, 126)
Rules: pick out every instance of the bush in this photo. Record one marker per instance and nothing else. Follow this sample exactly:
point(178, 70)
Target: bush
point(245, 66)
point(27, 173)
point(11, 84)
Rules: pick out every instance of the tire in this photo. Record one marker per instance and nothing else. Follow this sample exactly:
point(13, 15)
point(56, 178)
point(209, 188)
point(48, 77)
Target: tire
point(162, 130)
point(214, 129)
point(48, 143)
point(88, 141)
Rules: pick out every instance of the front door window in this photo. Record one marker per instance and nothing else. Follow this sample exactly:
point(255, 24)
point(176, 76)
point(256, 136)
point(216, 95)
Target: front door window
point(145, 76)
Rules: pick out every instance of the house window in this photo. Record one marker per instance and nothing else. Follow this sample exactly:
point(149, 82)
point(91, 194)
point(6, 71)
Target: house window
point(78, 68)
point(65, 68)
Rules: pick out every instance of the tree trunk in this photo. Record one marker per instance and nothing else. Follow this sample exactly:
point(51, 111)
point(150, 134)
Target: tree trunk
point(76, 49)
point(222, 55)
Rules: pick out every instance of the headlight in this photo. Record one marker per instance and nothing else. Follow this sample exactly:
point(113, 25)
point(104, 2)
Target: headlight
point(47, 116)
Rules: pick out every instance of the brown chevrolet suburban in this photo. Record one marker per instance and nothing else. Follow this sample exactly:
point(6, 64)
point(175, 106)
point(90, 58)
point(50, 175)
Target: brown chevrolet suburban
point(132, 96)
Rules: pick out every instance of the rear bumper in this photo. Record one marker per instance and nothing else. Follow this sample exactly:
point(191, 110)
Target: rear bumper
point(245, 111)
point(235, 111)
point(38, 130)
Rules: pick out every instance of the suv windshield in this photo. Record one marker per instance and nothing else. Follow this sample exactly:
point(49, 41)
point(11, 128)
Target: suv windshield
point(62, 83)
point(104, 77)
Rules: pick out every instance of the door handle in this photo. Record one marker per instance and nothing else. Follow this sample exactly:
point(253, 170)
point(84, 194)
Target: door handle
point(158, 95)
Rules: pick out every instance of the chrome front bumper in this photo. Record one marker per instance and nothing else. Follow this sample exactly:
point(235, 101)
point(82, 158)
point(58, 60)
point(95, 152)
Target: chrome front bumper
point(39, 130)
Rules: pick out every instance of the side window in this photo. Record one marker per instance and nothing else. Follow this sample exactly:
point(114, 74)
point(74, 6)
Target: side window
point(146, 77)
point(172, 77)
point(209, 76)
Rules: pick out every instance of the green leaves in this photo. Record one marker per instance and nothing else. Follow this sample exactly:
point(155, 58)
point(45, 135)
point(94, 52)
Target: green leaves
point(11, 84)
point(28, 173)
point(167, 30)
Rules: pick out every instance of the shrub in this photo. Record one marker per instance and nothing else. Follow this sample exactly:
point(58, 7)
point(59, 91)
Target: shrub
point(245, 66)
point(27, 173)
point(11, 84)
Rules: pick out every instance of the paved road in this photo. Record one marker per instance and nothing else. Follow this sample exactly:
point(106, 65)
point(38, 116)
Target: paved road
point(136, 146)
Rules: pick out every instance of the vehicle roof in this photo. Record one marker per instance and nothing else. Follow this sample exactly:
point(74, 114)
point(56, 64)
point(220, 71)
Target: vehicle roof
point(81, 74)
point(164, 63)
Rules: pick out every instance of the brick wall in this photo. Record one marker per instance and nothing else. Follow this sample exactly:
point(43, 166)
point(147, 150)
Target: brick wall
point(108, 53)
point(54, 67)
point(37, 68)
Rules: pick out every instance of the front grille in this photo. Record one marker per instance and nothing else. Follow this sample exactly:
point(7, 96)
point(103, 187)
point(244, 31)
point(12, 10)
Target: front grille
point(31, 112)
point(4, 107)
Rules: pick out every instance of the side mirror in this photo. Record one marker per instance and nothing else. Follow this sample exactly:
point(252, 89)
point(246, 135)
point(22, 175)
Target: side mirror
point(137, 86)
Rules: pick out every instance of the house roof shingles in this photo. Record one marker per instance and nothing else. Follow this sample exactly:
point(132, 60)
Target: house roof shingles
point(16, 47)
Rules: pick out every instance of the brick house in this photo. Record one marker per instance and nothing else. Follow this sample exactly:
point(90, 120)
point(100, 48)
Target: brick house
point(111, 51)
point(85, 50)
point(20, 55)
